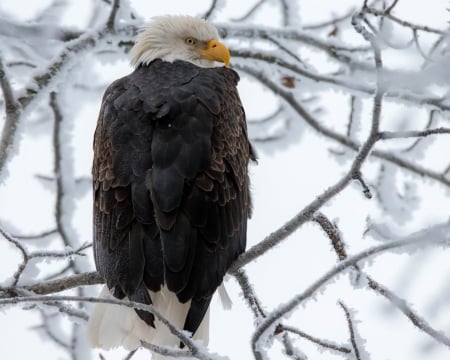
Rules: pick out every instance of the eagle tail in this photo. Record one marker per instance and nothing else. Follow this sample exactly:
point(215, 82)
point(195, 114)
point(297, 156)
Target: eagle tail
point(111, 326)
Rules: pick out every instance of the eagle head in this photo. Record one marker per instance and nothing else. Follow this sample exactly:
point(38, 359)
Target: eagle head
point(179, 37)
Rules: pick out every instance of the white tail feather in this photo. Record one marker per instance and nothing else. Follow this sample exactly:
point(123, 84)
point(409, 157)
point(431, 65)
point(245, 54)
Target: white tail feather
point(113, 325)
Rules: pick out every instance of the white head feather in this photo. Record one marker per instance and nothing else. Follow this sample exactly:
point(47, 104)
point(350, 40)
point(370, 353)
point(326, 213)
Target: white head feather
point(164, 37)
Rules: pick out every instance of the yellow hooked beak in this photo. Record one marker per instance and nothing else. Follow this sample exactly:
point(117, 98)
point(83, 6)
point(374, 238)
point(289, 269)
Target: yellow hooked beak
point(216, 51)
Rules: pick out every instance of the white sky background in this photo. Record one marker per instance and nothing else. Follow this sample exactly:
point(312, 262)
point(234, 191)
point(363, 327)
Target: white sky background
point(285, 180)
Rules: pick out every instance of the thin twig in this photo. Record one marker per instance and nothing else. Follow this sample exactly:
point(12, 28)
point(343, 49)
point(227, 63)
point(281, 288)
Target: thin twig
point(130, 355)
point(334, 21)
point(391, 7)
point(290, 350)
point(431, 118)
point(333, 233)
point(404, 23)
point(351, 330)
point(417, 320)
point(195, 350)
point(321, 342)
point(36, 236)
point(388, 135)
point(284, 309)
point(57, 143)
point(249, 13)
point(351, 118)
point(340, 82)
point(211, 9)
point(66, 283)
point(110, 23)
point(249, 294)
point(12, 112)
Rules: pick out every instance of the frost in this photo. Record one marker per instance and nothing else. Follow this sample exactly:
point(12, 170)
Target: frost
point(397, 202)
point(358, 279)
point(358, 341)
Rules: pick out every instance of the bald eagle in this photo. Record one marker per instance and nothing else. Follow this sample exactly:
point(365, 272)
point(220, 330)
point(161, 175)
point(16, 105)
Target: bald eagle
point(170, 183)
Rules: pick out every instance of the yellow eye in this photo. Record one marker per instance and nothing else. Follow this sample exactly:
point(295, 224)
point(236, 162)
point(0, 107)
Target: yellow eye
point(190, 41)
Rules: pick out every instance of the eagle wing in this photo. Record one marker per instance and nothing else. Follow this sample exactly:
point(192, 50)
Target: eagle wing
point(171, 187)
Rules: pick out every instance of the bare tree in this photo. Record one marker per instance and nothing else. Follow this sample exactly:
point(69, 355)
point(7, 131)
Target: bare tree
point(392, 144)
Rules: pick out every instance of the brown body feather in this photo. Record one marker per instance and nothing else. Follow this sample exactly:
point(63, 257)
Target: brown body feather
point(171, 187)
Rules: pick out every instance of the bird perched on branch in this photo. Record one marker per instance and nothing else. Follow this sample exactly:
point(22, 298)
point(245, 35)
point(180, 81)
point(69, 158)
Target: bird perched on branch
point(170, 182)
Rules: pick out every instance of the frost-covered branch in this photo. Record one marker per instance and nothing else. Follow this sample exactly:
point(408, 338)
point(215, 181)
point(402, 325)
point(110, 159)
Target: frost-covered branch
point(308, 212)
point(27, 256)
point(216, 5)
point(323, 343)
point(387, 135)
point(274, 317)
point(418, 321)
point(12, 113)
point(331, 22)
point(194, 348)
point(334, 235)
point(36, 236)
point(259, 314)
point(68, 282)
point(250, 12)
point(290, 226)
point(110, 23)
point(387, 14)
point(351, 329)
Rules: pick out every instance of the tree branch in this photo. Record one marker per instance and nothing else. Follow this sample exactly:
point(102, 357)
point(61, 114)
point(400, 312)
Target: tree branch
point(12, 112)
point(195, 350)
point(351, 330)
point(110, 23)
point(284, 309)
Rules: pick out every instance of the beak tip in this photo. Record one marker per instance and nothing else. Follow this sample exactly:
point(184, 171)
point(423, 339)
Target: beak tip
point(218, 52)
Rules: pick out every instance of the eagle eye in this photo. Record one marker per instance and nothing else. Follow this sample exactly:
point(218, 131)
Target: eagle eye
point(190, 41)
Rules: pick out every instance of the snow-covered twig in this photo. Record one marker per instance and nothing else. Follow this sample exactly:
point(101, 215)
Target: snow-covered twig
point(130, 355)
point(342, 139)
point(274, 317)
point(387, 14)
point(341, 82)
point(333, 21)
point(260, 33)
point(250, 12)
point(415, 318)
point(323, 343)
point(68, 282)
point(333, 234)
point(195, 350)
point(36, 236)
point(290, 226)
point(111, 22)
point(338, 245)
point(12, 112)
point(168, 351)
point(431, 119)
point(28, 256)
point(259, 314)
point(59, 254)
point(308, 212)
point(23, 251)
point(249, 294)
point(351, 330)
point(388, 135)
point(215, 6)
